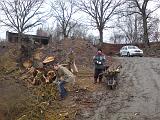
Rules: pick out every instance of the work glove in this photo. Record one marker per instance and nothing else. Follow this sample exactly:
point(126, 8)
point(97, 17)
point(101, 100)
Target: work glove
point(98, 62)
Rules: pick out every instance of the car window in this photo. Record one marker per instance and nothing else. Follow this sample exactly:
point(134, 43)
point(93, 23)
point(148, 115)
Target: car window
point(132, 47)
point(122, 48)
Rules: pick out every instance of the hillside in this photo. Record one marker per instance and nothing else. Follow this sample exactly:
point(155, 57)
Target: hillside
point(21, 100)
point(84, 51)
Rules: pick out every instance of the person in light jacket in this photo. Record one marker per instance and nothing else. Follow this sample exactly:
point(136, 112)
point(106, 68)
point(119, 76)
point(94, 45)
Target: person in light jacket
point(63, 76)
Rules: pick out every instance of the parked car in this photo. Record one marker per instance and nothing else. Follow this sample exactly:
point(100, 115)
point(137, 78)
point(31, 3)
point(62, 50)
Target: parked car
point(131, 50)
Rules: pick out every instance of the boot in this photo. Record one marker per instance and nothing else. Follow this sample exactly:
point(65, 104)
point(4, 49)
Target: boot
point(100, 80)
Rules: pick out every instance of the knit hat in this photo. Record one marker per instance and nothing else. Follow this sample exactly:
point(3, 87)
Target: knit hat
point(99, 50)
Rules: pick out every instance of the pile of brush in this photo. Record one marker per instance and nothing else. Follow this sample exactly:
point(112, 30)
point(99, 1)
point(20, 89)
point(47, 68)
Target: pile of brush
point(112, 71)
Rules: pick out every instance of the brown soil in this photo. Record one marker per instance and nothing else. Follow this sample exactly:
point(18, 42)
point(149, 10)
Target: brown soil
point(136, 98)
point(18, 97)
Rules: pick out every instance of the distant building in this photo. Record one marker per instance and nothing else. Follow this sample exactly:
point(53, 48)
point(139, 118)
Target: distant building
point(13, 37)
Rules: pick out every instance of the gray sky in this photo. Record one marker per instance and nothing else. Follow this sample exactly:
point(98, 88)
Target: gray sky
point(107, 33)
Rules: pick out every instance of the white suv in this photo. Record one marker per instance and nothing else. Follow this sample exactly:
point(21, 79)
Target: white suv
point(131, 50)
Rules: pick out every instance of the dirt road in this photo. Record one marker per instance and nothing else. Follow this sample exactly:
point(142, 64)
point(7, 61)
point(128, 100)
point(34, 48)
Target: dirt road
point(138, 94)
point(136, 98)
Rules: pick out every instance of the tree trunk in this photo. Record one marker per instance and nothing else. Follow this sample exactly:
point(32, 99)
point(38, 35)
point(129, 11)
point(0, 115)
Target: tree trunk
point(19, 37)
point(100, 37)
point(135, 30)
point(65, 35)
point(145, 36)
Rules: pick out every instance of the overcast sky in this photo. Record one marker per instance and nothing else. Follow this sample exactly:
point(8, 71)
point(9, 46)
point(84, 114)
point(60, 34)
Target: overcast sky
point(49, 23)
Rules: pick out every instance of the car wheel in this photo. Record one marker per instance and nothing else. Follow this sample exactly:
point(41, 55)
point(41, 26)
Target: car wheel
point(121, 55)
point(128, 54)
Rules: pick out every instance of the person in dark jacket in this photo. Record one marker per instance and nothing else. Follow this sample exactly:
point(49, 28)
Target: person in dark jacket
point(99, 61)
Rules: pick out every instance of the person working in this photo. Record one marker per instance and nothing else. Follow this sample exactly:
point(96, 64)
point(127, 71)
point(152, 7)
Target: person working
point(99, 64)
point(63, 76)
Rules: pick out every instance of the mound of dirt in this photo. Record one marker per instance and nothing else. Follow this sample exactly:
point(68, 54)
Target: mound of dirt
point(17, 97)
point(11, 89)
point(84, 51)
point(153, 51)
point(36, 101)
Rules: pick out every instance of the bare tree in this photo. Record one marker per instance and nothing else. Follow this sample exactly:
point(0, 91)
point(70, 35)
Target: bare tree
point(92, 39)
point(142, 9)
point(21, 15)
point(64, 11)
point(101, 11)
point(79, 31)
point(54, 32)
point(153, 29)
point(129, 27)
point(117, 37)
